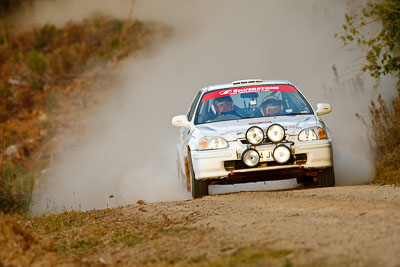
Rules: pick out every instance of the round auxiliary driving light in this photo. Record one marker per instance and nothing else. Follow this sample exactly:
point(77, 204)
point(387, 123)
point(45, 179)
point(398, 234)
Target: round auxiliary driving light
point(255, 135)
point(281, 154)
point(275, 133)
point(251, 157)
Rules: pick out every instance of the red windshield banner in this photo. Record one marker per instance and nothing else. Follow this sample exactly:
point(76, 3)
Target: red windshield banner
point(249, 89)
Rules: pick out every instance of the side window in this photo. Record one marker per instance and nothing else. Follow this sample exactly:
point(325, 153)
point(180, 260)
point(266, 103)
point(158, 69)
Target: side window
point(193, 106)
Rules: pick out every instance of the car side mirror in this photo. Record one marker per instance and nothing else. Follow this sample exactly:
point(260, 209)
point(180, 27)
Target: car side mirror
point(180, 121)
point(323, 108)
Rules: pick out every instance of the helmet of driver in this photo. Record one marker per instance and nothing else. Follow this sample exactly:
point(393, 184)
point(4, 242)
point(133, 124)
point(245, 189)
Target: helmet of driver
point(223, 105)
point(271, 106)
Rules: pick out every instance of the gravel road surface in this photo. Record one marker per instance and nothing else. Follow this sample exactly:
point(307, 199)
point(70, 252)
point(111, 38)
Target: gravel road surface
point(352, 225)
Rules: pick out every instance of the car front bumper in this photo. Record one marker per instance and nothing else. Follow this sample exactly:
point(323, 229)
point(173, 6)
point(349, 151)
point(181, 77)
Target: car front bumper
point(211, 164)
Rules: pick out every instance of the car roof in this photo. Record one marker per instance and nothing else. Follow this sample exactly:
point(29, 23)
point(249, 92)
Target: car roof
point(241, 83)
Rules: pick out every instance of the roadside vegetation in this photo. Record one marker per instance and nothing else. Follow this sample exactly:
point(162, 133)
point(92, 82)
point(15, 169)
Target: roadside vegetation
point(376, 31)
point(39, 68)
point(115, 237)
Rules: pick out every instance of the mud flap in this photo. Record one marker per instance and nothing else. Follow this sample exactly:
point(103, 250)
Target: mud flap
point(325, 178)
point(187, 174)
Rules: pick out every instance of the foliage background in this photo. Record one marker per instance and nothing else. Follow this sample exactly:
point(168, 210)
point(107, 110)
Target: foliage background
point(42, 72)
point(376, 31)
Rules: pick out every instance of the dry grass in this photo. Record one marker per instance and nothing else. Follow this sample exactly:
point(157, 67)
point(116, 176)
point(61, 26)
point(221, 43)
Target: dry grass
point(32, 61)
point(96, 234)
point(114, 237)
point(384, 132)
point(40, 69)
point(20, 247)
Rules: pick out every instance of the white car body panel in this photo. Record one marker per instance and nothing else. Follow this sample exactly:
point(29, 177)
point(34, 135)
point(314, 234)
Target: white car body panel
point(209, 164)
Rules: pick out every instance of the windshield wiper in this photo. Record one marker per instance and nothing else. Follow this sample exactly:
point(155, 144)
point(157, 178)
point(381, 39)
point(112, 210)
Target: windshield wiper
point(241, 118)
point(294, 113)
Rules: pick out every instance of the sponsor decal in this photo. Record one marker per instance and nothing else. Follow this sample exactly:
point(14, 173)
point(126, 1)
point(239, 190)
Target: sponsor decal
point(285, 127)
point(259, 122)
point(293, 127)
point(231, 132)
point(248, 89)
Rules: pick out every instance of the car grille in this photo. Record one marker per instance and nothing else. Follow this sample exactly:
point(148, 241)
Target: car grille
point(245, 142)
point(264, 142)
point(232, 165)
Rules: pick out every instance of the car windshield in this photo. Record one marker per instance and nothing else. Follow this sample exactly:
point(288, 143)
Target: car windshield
point(251, 102)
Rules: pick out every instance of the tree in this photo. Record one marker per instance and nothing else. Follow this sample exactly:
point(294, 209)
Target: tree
point(377, 31)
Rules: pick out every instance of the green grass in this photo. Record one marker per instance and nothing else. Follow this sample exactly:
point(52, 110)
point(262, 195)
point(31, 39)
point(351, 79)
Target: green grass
point(246, 257)
point(95, 235)
point(126, 239)
point(36, 62)
point(57, 222)
point(77, 245)
point(3, 90)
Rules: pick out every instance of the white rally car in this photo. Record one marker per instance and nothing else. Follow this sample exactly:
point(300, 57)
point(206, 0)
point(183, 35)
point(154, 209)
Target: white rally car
point(253, 130)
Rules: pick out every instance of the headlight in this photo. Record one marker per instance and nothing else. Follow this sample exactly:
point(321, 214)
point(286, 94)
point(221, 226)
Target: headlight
point(312, 134)
point(275, 133)
point(255, 135)
point(281, 154)
point(250, 157)
point(212, 142)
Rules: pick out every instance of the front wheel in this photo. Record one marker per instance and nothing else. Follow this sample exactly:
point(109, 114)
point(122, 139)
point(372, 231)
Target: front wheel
point(199, 188)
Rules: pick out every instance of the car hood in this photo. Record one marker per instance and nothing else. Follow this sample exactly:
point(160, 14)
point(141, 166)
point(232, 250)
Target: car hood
point(236, 129)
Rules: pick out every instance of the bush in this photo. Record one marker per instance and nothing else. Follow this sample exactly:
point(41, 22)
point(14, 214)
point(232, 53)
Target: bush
point(386, 129)
point(377, 31)
point(388, 170)
point(16, 185)
point(36, 62)
point(36, 65)
point(50, 55)
point(384, 132)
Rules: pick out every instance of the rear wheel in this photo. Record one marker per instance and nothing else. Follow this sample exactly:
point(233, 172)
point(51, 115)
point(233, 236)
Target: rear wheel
point(199, 188)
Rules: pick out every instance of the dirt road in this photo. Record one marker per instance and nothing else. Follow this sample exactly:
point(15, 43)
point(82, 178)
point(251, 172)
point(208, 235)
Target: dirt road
point(352, 226)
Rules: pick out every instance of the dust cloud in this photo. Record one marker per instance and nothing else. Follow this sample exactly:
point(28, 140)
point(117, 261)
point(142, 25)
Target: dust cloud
point(129, 151)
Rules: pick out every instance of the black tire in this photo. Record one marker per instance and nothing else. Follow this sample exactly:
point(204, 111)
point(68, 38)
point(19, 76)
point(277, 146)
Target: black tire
point(199, 188)
point(326, 178)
